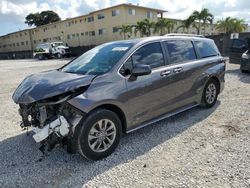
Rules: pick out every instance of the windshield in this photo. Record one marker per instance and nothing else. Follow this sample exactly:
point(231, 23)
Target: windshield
point(99, 60)
point(58, 44)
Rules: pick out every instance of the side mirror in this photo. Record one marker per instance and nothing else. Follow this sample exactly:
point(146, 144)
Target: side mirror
point(141, 70)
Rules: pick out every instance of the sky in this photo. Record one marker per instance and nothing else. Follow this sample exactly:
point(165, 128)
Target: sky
point(13, 12)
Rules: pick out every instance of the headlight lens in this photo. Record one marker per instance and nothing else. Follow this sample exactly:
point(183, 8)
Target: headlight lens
point(244, 56)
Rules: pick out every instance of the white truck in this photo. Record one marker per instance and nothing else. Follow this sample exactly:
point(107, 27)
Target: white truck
point(51, 50)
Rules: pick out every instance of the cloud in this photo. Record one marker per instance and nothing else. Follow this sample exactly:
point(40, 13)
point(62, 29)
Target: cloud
point(14, 11)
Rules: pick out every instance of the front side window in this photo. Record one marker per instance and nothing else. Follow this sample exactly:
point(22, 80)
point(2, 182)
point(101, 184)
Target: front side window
point(180, 51)
point(98, 60)
point(150, 54)
point(206, 49)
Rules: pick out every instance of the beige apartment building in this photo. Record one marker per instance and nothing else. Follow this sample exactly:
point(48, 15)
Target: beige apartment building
point(92, 29)
point(88, 30)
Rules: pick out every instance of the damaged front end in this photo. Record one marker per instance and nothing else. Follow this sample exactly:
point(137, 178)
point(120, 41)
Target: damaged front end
point(53, 124)
point(43, 105)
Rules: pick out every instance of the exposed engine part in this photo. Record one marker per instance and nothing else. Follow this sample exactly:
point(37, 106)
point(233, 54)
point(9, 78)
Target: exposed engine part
point(60, 127)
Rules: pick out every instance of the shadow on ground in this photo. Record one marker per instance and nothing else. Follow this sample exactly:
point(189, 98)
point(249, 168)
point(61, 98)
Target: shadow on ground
point(22, 164)
point(243, 77)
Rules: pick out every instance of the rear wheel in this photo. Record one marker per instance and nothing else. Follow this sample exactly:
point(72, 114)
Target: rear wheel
point(210, 93)
point(100, 134)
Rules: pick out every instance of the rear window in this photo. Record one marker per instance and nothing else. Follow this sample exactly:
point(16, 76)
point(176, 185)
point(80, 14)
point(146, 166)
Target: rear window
point(180, 51)
point(206, 49)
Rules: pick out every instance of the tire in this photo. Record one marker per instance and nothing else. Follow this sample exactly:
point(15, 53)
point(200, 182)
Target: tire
point(90, 137)
point(59, 56)
point(41, 57)
point(210, 94)
point(243, 71)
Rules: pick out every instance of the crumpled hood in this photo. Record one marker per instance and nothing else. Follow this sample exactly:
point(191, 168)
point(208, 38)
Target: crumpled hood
point(48, 84)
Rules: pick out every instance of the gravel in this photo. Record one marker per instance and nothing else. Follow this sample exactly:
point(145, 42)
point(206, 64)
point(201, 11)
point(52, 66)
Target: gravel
point(197, 148)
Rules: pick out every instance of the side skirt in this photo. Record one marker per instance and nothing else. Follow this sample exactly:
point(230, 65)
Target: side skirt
point(163, 117)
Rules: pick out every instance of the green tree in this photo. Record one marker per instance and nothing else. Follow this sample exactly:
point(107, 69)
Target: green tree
point(45, 17)
point(201, 19)
point(140, 27)
point(186, 24)
point(231, 25)
point(164, 26)
point(144, 27)
point(125, 31)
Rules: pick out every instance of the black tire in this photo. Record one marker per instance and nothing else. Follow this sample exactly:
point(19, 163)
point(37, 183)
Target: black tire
point(41, 57)
point(205, 102)
point(59, 56)
point(243, 71)
point(91, 121)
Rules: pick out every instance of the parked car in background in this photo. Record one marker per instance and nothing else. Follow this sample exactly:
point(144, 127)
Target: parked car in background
point(119, 87)
point(237, 48)
point(51, 50)
point(245, 62)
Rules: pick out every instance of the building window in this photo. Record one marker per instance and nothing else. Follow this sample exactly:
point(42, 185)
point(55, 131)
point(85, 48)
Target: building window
point(22, 43)
point(131, 11)
point(149, 14)
point(68, 36)
point(92, 33)
point(25, 33)
point(101, 31)
point(69, 24)
point(115, 12)
point(27, 42)
point(17, 44)
point(90, 19)
point(116, 29)
point(100, 16)
point(77, 34)
point(75, 21)
point(73, 35)
point(14, 44)
point(82, 33)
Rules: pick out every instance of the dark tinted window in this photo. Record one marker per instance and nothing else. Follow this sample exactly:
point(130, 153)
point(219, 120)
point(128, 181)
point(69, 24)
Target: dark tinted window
point(150, 54)
point(180, 51)
point(207, 49)
point(237, 43)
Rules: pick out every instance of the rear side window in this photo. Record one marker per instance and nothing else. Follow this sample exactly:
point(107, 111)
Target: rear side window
point(206, 49)
point(180, 51)
point(150, 54)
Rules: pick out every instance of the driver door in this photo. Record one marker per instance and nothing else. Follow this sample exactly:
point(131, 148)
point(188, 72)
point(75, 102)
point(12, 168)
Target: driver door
point(144, 92)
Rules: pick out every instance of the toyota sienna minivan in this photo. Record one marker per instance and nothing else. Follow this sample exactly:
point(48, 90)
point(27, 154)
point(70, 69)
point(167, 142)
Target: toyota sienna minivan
point(119, 87)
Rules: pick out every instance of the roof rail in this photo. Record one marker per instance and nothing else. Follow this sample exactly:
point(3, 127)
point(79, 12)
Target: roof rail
point(183, 35)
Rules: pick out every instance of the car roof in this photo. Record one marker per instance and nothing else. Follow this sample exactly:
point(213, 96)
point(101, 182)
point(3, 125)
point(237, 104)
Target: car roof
point(158, 38)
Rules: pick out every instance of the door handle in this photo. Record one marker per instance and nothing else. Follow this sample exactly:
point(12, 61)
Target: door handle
point(178, 69)
point(165, 73)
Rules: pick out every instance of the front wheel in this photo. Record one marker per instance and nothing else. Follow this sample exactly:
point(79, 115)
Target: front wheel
point(100, 134)
point(210, 94)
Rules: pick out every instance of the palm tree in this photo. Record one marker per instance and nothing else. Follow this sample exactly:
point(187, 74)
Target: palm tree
point(144, 27)
point(125, 30)
point(148, 26)
point(231, 25)
point(201, 18)
point(186, 24)
point(239, 25)
point(164, 26)
point(140, 27)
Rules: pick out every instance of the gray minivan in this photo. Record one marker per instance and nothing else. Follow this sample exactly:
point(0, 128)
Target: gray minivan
point(119, 87)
